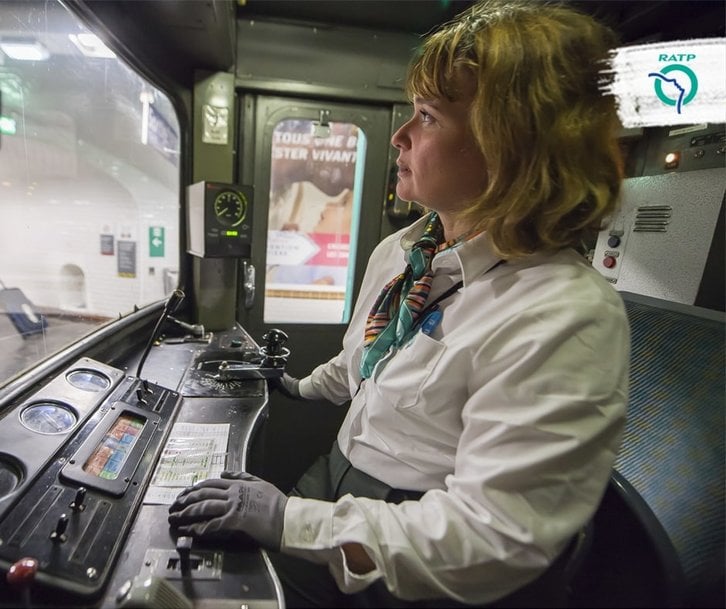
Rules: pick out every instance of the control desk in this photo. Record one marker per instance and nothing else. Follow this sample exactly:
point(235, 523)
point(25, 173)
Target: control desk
point(80, 457)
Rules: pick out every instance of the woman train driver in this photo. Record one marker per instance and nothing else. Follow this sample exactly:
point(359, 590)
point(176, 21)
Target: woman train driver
point(486, 361)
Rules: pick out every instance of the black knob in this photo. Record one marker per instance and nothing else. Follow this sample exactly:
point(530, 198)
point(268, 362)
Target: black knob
point(275, 339)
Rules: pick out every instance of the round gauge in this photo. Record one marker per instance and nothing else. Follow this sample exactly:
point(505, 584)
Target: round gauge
point(48, 417)
point(88, 380)
point(230, 207)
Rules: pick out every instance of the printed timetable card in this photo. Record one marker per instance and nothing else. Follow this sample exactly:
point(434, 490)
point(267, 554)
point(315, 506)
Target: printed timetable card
point(193, 452)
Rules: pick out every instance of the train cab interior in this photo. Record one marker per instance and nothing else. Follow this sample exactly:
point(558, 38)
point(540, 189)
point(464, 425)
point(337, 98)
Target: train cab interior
point(189, 193)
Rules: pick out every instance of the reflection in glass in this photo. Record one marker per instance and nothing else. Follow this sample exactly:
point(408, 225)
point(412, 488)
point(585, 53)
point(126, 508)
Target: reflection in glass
point(313, 219)
point(89, 185)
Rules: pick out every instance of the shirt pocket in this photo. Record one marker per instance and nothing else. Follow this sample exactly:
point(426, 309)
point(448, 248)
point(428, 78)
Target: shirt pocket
point(403, 377)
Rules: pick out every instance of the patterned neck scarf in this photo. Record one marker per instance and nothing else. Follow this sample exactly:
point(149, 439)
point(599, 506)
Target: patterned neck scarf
point(399, 305)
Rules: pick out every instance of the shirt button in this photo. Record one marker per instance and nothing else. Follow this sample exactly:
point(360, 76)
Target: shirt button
point(307, 533)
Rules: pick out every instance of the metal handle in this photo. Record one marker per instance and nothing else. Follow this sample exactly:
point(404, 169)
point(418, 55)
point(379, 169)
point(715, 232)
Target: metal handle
point(248, 283)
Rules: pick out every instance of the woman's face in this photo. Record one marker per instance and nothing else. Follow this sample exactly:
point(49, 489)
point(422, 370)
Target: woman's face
point(439, 163)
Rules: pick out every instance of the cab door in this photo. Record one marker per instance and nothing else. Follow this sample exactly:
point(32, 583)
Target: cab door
point(319, 172)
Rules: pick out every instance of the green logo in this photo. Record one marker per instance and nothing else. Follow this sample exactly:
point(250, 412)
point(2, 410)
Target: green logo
point(684, 95)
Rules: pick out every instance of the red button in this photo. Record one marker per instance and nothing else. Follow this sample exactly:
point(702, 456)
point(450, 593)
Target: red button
point(609, 262)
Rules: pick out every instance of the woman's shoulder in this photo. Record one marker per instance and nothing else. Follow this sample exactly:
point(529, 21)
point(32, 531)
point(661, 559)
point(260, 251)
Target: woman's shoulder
point(564, 277)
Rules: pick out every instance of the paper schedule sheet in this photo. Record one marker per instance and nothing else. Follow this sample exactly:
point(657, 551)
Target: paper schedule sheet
point(193, 452)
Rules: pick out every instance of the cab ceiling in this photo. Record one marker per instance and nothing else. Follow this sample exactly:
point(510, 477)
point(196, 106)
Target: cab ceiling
point(200, 34)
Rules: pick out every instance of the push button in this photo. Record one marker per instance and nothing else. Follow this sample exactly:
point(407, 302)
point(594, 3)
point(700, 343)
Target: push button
point(613, 241)
point(609, 262)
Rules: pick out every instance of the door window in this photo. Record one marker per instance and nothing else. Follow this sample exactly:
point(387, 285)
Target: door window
point(315, 192)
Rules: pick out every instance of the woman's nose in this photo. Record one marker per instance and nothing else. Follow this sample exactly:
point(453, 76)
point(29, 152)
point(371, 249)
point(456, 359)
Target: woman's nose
point(400, 139)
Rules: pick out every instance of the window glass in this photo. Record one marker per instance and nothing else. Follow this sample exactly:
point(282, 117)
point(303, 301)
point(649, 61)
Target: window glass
point(315, 186)
point(89, 185)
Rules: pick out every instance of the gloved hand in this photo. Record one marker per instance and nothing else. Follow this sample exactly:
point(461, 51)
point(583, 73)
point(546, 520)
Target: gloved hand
point(287, 386)
point(237, 504)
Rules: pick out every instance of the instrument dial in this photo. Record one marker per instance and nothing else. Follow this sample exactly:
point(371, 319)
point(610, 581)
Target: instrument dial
point(230, 208)
point(88, 380)
point(48, 417)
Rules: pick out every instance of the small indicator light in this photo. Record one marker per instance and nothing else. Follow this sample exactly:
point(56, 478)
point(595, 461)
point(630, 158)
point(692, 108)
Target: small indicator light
point(672, 159)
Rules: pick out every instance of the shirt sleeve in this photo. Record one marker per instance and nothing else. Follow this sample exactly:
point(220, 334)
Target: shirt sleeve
point(541, 428)
point(328, 381)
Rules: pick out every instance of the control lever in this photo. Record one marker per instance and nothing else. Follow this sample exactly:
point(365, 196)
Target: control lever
point(59, 533)
point(78, 504)
point(193, 329)
point(171, 305)
point(184, 548)
point(267, 362)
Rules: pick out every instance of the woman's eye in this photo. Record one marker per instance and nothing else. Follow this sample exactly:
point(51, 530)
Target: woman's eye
point(425, 116)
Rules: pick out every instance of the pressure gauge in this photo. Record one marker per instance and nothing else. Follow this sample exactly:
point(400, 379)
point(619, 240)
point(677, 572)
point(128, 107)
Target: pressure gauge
point(220, 219)
point(230, 207)
point(88, 380)
point(48, 417)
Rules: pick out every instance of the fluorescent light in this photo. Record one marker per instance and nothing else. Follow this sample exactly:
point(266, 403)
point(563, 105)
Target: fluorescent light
point(90, 45)
point(7, 125)
point(24, 50)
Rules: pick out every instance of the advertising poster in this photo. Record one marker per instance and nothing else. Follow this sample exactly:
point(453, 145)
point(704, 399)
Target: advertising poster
point(312, 200)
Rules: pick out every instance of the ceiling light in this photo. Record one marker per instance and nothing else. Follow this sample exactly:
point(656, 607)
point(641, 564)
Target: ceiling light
point(24, 49)
point(91, 46)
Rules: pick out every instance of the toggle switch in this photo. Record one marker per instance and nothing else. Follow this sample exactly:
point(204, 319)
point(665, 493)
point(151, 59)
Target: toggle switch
point(60, 529)
point(78, 502)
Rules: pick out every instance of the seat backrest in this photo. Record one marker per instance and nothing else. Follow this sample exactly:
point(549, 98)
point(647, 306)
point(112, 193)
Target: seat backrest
point(657, 539)
point(673, 446)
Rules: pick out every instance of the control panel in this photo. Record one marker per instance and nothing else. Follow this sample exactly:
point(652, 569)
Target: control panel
point(90, 461)
point(76, 458)
point(658, 243)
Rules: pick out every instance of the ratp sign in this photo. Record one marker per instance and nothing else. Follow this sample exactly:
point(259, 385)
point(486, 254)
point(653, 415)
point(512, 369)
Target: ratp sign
point(669, 83)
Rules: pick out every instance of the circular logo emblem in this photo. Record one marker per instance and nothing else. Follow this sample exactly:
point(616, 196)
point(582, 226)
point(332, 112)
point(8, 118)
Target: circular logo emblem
point(677, 67)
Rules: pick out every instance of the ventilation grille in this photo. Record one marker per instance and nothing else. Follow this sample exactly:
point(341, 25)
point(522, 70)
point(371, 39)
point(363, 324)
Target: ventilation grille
point(652, 218)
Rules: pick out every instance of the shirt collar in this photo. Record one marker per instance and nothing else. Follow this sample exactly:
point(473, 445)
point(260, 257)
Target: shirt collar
point(470, 258)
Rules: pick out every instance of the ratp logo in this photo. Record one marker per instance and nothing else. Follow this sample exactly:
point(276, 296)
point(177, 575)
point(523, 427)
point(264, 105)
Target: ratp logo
point(675, 84)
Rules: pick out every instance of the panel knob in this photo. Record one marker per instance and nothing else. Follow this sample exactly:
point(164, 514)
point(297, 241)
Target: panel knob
point(21, 576)
point(22, 572)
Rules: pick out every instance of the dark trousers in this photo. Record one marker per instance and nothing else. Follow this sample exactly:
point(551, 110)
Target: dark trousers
point(307, 584)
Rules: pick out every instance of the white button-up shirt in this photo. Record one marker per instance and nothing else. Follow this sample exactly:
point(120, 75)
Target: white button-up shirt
point(509, 415)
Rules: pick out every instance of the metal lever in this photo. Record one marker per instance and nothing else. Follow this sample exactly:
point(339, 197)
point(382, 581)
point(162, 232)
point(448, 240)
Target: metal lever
point(248, 283)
